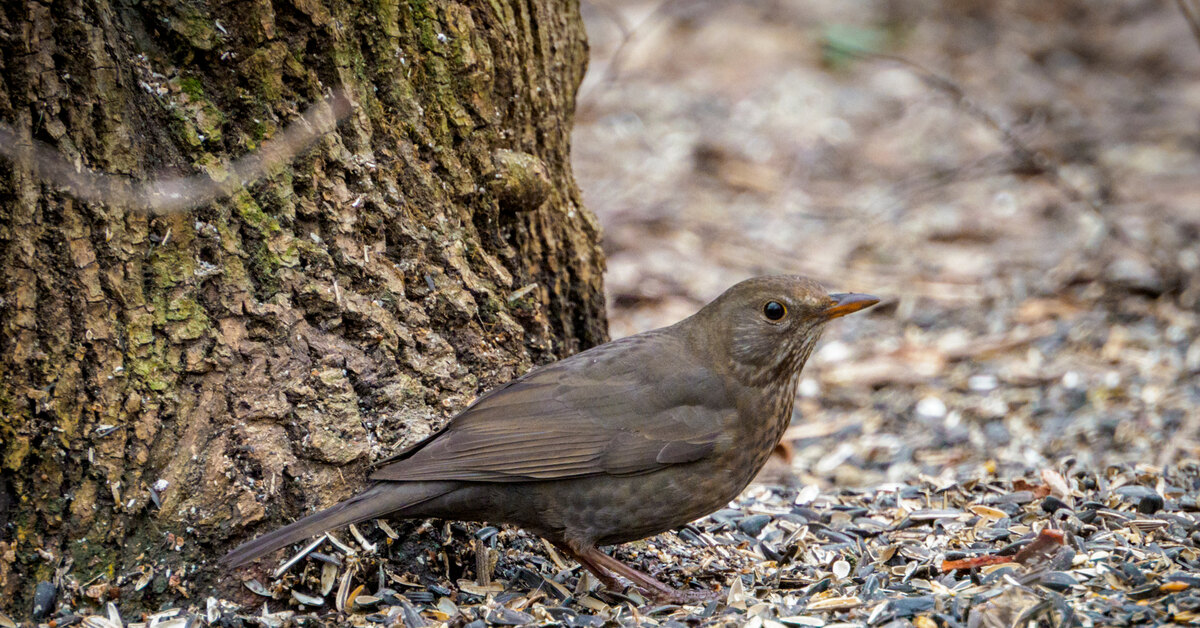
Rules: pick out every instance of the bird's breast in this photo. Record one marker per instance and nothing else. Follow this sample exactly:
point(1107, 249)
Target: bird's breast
point(760, 424)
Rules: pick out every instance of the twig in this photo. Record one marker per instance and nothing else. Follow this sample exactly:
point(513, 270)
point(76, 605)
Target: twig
point(1029, 156)
point(1032, 158)
point(628, 36)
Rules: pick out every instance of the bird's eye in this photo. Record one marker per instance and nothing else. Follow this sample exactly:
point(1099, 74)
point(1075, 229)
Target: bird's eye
point(774, 311)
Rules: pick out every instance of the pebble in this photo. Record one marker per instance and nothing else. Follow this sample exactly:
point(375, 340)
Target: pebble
point(754, 524)
point(1058, 581)
point(931, 408)
point(908, 607)
point(44, 597)
point(997, 433)
point(866, 556)
point(982, 383)
point(1132, 273)
point(1052, 504)
point(1147, 500)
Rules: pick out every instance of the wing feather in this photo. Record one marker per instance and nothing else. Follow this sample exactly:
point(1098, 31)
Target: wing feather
point(619, 409)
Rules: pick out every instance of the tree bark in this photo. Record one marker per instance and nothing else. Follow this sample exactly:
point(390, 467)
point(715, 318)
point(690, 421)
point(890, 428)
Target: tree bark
point(171, 383)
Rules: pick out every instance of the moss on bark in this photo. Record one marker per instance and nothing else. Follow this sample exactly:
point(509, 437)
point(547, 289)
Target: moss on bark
point(212, 374)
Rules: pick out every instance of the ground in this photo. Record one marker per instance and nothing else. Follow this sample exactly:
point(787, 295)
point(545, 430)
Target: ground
point(1017, 182)
point(1011, 437)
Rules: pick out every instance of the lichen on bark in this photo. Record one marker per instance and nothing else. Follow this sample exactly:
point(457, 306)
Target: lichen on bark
point(211, 373)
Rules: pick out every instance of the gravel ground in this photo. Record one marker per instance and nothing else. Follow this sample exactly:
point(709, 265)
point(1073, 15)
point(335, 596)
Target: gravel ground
point(1069, 547)
point(1015, 180)
point(1011, 438)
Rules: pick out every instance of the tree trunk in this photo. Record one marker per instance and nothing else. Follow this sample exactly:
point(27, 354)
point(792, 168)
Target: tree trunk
point(171, 383)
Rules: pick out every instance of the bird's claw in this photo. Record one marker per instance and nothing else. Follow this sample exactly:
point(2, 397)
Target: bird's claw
point(668, 595)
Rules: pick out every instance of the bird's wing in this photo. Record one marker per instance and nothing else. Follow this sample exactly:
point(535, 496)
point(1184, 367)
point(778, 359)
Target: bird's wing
point(624, 408)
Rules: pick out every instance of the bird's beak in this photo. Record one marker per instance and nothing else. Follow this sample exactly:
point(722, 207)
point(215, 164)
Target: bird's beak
point(848, 303)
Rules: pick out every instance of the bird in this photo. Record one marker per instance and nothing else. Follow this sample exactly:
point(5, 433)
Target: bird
point(625, 440)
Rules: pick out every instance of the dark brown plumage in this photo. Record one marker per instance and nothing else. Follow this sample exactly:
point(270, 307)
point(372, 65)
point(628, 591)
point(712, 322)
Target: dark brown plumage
point(617, 443)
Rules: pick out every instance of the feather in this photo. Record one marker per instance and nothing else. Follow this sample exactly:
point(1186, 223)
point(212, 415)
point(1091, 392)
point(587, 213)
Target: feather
point(602, 411)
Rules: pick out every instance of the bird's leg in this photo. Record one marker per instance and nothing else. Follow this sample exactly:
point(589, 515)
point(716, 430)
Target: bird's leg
point(607, 579)
point(605, 567)
point(657, 590)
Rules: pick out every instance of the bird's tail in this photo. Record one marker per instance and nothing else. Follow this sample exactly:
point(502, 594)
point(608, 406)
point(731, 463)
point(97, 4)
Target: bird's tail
point(376, 501)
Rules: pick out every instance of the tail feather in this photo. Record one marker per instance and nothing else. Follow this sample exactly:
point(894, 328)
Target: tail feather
point(377, 501)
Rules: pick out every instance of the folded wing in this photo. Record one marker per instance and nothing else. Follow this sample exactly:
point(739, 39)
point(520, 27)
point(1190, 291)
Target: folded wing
point(619, 409)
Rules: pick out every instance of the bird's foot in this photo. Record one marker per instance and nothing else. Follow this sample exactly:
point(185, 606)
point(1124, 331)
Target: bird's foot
point(669, 595)
point(608, 568)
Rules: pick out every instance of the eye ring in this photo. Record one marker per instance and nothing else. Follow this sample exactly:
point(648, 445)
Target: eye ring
point(774, 311)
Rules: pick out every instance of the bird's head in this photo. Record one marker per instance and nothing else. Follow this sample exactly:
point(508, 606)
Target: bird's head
point(769, 325)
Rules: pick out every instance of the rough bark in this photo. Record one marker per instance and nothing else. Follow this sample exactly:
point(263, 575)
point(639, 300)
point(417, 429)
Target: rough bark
point(170, 383)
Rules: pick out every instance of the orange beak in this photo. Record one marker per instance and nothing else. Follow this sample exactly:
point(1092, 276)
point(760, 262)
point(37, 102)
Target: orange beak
point(848, 303)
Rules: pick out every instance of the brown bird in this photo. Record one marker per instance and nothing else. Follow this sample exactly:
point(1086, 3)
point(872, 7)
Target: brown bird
point(617, 443)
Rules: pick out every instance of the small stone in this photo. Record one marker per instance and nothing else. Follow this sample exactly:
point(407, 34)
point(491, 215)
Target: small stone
point(908, 607)
point(1052, 504)
point(1146, 499)
point(931, 408)
point(1074, 399)
point(982, 383)
point(754, 524)
point(44, 597)
point(1058, 581)
point(996, 433)
point(1134, 275)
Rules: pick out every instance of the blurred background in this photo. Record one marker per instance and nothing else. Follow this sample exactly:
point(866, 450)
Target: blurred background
point(1016, 179)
